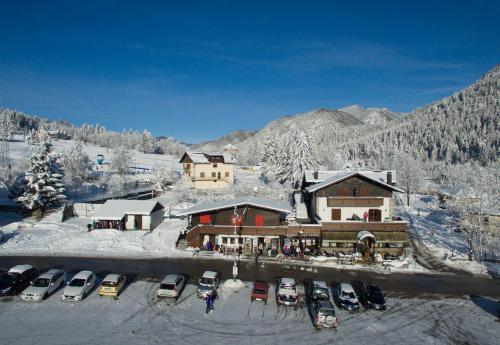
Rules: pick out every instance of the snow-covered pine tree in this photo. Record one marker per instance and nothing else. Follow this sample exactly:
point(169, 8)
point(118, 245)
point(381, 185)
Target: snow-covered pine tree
point(302, 157)
point(44, 188)
point(269, 158)
point(147, 143)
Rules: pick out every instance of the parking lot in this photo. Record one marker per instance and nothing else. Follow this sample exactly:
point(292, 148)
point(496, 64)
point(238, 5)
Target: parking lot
point(139, 317)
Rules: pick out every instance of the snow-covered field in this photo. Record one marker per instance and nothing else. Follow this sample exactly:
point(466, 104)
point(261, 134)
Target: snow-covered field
point(51, 237)
point(138, 317)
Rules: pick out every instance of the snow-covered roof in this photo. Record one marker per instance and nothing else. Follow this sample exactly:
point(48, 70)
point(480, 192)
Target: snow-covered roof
point(204, 157)
point(20, 268)
point(270, 204)
point(117, 209)
point(322, 175)
point(82, 275)
point(300, 206)
point(346, 287)
point(287, 281)
point(340, 176)
point(210, 274)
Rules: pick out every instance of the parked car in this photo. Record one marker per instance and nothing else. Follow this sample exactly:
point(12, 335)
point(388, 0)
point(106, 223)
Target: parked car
point(319, 291)
point(79, 286)
point(369, 295)
point(171, 285)
point(208, 283)
point(1, 236)
point(112, 285)
point(259, 292)
point(324, 314)
point(17, 279)
point(346, 297)
point(286, 291)
point(43, 286)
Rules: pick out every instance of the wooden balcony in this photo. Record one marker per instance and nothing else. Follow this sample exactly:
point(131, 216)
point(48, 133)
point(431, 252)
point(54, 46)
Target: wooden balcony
point(359, 226)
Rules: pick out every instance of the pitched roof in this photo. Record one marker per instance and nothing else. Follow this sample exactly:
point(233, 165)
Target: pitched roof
point(251, 201)
point(204, 157)
point(325, 174)
point(117, 209)
point(340, 176)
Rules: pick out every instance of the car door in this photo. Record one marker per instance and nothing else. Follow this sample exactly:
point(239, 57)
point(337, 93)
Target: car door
point(89, 283)
point(55, 282)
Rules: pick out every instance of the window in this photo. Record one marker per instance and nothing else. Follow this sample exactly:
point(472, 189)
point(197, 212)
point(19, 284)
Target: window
point(214, 165)
point(226, 174)
point(354, 192)
point(202, 174)
point(188, 166)
point(374, 215)
point(259, 220)
point(335, 213)
point(205, 219)
point(213, 174)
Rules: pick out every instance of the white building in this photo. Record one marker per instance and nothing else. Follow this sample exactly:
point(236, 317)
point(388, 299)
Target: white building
point(129, 215)
point(208, 170)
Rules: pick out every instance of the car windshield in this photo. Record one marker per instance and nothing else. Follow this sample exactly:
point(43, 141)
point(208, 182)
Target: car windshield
point(259, 291)
point(288, 298)
point(41, 282)
point(108, 283)
point(167, 286)
point(321, 291)
point(349, 295)
point(77, 282)
point(206, 281)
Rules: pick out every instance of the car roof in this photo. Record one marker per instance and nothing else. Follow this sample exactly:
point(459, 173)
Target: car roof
point(260, 285)
point(112, 278)
point(346, 287)
point(319, 283)
point(170, 278)
point(20, 268)
point(210, 274)
point(287, 281)
point(83, 274)
point(50, 273)
point(325, 304)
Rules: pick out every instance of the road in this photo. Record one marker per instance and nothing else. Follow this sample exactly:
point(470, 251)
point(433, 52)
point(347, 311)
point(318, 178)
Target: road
point(398, 284)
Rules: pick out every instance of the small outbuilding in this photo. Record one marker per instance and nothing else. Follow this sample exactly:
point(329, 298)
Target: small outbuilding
point(129, 215)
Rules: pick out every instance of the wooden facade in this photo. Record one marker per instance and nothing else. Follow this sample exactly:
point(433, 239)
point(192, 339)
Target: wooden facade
point(355, 186)
point(249, 215)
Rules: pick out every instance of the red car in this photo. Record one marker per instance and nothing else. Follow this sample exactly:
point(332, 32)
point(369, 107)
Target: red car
point(259, 292)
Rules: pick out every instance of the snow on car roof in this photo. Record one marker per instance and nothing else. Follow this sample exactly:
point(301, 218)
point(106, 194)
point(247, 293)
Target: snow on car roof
point(287, 281)
point(20, 268)
point(50, 273)
point(320, 284)
point(82, 275)
point(112, 278)
point(170, 278)
point(346, 287)
point(209, 274)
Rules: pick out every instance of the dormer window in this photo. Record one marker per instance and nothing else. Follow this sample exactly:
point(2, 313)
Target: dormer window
point(355, 192)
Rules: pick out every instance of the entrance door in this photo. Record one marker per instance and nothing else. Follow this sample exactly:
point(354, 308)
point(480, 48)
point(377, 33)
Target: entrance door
point(374, 215)
point(138, 222)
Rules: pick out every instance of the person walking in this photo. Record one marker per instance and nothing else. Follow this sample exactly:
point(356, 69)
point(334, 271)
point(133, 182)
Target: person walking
point(208, 301)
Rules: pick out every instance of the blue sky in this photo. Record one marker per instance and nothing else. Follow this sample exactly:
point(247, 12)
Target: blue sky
point(197, 70)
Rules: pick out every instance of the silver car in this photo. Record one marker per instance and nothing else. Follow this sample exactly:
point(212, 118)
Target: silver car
point(171, 286)
point(43, 286)
point(79, 286)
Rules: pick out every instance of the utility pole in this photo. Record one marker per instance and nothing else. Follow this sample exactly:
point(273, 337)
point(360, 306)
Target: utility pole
point(235, 263)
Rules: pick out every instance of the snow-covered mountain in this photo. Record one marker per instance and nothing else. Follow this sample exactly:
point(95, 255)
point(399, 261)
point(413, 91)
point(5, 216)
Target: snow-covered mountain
point(371, 116)
point(233, 138)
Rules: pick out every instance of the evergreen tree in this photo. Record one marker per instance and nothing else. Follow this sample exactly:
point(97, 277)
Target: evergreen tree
point(147, 143)
point(44, 188)
point(302, 158)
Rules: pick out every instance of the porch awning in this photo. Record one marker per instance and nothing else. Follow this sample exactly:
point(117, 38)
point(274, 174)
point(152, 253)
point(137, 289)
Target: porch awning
point(339, 236)
point(390, 236)
point(364, 234)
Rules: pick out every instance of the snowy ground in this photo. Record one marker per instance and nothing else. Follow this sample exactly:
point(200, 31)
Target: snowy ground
point(51, 237)
point(138, 317)
point(428, 225)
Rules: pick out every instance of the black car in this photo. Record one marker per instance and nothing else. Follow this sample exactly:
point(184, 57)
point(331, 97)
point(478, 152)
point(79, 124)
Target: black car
point(319, 291)
point(369, 295)
point(11, 283)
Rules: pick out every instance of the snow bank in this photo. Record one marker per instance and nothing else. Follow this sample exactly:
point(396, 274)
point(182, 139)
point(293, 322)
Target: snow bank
point(230, 284)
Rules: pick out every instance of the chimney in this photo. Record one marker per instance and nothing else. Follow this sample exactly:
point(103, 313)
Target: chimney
point(389, 178)
point(315, 174)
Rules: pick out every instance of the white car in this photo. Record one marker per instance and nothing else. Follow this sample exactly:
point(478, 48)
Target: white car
point(171, 286)
point(43, 286)
point(208, 283)
point(79, 286)
point(286, 291)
